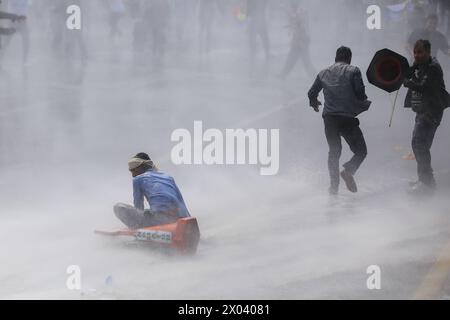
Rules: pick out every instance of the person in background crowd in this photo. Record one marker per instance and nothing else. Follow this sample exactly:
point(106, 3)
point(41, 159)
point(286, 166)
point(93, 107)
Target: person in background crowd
point(300, 42)
point(12, 17)
point(206, 11)
point(20, 8)
point(257, 27)
point(116, 13)
point(439, 42)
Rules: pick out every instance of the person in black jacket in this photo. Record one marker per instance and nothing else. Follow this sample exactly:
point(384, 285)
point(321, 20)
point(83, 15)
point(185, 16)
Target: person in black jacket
point(345, 99)
point(428, 98)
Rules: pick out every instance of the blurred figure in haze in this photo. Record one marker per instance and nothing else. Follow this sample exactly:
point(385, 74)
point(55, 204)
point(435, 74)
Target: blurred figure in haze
point(20, 8)
point(181, 12)
point(417, 17)
point(151, 27)
point(444, 7)
point(428, 98)
point(57, 19)
point(139, 28)
point(257, 27)
point(438, 40)
point(160, 191)
point(433, 6)
point(299, 43)
point(133, 7)
point(116, 13)
point(157, 13)
point(13, 18)
point(347, 17)
point(345, 98)
point(206, 11)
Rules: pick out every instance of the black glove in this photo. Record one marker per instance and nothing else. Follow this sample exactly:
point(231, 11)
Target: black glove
point(407, 83)
point(315, 105)
point(411, 70)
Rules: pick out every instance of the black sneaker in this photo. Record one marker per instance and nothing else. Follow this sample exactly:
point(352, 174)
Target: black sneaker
point(349, 181)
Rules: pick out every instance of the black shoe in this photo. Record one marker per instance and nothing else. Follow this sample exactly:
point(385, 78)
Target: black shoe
point(349, 181)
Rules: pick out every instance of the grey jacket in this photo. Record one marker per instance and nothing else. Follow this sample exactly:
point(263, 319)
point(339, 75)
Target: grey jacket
point(343, 90)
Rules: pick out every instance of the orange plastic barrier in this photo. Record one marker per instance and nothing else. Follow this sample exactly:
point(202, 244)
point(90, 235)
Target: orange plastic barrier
point(183, 235)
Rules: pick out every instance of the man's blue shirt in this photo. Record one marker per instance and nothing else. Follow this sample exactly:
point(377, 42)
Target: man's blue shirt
point(161, 193)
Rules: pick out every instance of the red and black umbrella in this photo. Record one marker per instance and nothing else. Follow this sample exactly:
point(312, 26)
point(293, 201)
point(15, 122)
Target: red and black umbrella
point(387, 70)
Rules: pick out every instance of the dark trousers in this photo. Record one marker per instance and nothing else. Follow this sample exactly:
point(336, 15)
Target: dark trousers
point(423, 136)
point(348, 128)
point(135, 219)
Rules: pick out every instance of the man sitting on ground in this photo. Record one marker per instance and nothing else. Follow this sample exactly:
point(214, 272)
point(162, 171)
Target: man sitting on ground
point(162, 194)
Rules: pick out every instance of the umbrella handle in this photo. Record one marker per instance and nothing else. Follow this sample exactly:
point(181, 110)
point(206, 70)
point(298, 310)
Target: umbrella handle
point(393, 108)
